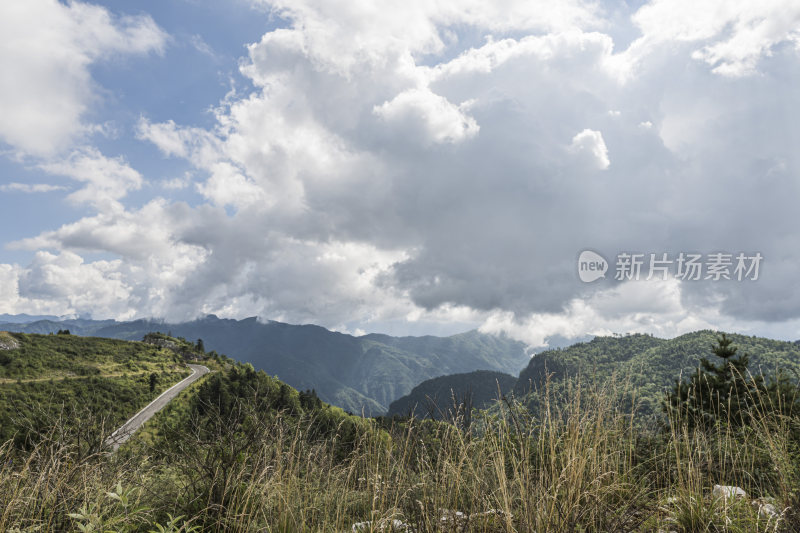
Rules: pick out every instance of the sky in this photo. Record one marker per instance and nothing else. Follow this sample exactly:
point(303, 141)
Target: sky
point(418, 167)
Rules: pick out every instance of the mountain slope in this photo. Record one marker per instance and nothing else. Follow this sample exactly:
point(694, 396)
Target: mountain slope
point(649, 364)
point(434, 397)
point(356, 373)
point(46, 377)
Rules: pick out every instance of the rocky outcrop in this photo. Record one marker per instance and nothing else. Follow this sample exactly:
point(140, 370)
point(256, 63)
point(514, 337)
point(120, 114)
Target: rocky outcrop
point(7, 341)
point(161, 342)
point(728, 492)
point(185, 350)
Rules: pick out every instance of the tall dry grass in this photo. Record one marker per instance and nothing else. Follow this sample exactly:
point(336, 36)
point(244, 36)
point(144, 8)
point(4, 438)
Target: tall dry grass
point(584, 463)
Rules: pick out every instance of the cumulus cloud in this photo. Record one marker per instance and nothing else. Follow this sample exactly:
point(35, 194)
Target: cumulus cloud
point(106, 180)
point(46, 49)
point(64, 284)
point(428, 114)
point(641, 307)
point(177, 183)
point(589, 142)
point(425, 163)
point(139, 235)
point(733, 36)
point(197, 143)
point(82, 287)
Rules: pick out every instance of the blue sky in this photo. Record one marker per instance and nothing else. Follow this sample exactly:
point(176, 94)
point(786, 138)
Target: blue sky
point(424, 167)
point(198, 67)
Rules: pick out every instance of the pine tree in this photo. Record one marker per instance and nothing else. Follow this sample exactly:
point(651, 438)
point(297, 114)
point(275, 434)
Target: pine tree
point(717, 392)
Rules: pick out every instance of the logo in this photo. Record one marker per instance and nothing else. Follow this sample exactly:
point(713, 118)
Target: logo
point(591, 266)
point(684, 266)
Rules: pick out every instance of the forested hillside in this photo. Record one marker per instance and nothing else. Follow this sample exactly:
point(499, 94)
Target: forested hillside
point(441, 397)
point(649, 365)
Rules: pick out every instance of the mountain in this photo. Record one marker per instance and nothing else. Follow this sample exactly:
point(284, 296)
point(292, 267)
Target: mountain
point(24, 319)
point(45, 325)
point(356, 373)
point(651, 365)
point(435, 397)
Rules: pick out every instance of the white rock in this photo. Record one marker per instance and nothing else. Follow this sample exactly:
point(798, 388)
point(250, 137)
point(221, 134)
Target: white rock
point(392, 525)
point(727, 492)
point(448, 515)
point(766, 509)
point(399, 525)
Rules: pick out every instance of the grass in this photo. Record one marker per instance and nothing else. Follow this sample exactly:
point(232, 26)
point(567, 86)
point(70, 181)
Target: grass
point(56, 356)
point(583, 464)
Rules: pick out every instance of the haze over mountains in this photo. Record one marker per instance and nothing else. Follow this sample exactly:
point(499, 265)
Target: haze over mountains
point(360, 374)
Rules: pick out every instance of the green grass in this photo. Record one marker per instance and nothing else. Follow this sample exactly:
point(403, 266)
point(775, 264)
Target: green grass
point(57, 356)
point(50, 375)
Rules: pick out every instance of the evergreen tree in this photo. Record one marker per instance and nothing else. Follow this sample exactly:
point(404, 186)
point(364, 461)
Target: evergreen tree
point(722, 391)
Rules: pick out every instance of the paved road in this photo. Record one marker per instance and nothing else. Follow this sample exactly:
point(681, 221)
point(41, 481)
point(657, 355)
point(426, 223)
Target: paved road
point(129, 428)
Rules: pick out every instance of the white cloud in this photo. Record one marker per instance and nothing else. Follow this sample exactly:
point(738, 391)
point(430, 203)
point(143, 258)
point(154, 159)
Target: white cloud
point(154, 264)
point(405, 164)
point(30, 187)
point(195, 143)
point(138, 235)
point(733, 36)
point(654, 307)
point(202, 46)
point(9, 297)
point(341, 35)
point(229, 186)
point(355, 136)
point(46, 49)
point(591, 143)
point(106, 180)
point(421, 110)
point(71, 286)
point(176, 184)
point(593, 47)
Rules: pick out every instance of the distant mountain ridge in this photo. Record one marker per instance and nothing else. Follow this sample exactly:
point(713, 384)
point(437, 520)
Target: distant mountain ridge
point(436, 397)
point(359, 374)
point(24, 319)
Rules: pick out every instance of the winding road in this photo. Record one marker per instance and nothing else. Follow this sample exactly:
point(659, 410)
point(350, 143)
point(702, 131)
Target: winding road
point(135, 422)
